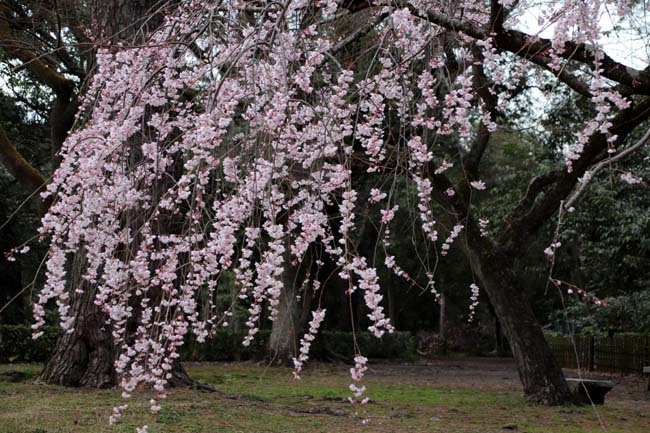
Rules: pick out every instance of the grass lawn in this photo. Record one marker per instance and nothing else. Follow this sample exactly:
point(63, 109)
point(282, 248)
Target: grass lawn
point(253, 398)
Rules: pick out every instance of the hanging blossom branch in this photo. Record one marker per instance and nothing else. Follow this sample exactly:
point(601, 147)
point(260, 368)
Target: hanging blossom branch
point(305, 342)
point(586, 179)
point(572, 289)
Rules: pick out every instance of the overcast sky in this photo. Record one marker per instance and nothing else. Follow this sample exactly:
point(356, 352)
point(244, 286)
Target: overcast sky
point(624, 44)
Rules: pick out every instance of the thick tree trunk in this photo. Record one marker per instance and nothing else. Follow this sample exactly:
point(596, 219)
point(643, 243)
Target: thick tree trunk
point(86, 356)
point(284, 336)
point(540, 375)
point(499, 344)
point(286, 328)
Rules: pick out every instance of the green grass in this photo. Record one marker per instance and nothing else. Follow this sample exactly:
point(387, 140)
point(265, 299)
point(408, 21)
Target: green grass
point(258, 399)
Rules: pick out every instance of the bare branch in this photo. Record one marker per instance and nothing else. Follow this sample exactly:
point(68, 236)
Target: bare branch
point(46, 75)
point(28, 176)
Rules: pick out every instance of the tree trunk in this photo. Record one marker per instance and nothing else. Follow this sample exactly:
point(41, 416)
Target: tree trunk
point(499, 346)
point(284, 336)
point(289, 323)
point(540, 375)
point(86, 356)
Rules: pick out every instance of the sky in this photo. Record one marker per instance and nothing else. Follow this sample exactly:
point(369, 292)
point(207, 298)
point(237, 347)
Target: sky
point(621, 42)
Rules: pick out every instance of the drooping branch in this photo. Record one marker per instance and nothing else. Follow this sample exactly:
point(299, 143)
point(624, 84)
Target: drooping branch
point(624, 154)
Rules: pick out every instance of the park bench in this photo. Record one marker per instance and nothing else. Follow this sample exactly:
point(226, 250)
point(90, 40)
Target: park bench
point(646, 371)
point(589, 390)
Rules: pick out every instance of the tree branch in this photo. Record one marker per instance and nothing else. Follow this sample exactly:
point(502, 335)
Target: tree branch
point(529, 47)
point(563, 75)
point(496, 16)
point(527, 217)
point(28, 176)
point(46, 75)
point(358, 33)
point(482, 86)
point(536, 186)
point(583, 185)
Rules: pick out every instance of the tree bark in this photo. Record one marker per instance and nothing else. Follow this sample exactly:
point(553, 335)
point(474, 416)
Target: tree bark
point(284, 335)
point(290, 321)
point(86, 356)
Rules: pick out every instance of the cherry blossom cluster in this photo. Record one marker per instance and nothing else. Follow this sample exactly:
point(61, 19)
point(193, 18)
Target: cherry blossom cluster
point(305, 342)
point(483, 226)
point(550, 250)
point(356, 373)
point(455, 232)
point(628, 177)
point(474, 301)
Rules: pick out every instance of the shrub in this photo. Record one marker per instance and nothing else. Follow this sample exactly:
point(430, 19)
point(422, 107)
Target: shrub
point(16, 345)
point(226, 346)
point(398, 345)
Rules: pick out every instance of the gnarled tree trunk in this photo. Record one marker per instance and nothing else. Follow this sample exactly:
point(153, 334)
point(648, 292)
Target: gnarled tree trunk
point(86, 356)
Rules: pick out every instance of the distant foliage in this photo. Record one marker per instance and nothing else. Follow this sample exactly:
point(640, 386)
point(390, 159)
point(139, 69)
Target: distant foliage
point(16, 344)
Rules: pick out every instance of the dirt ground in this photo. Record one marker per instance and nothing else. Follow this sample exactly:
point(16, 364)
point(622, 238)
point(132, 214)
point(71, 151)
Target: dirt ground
point(500, 374)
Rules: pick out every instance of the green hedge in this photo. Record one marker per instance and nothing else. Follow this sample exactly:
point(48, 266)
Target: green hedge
point(16, 345)
point(398, 345)
point(226, 346)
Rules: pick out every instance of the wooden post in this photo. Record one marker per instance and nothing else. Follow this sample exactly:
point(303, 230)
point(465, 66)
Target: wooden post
point(591, 353)
point(442, 324)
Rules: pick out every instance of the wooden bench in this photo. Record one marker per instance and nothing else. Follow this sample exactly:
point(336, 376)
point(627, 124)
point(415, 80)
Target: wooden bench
point(646, 371)
point(588, 390)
